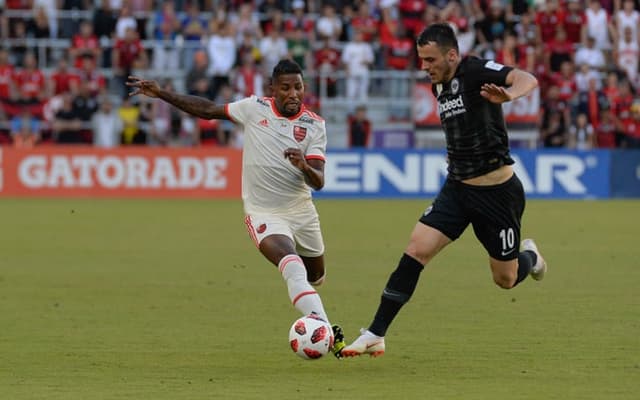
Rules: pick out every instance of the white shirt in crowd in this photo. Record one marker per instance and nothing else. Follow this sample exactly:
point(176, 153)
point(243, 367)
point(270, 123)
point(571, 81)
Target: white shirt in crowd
point(222, 55)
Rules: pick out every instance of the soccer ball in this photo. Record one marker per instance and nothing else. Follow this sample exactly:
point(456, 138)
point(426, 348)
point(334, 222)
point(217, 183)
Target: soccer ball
point(310, 337)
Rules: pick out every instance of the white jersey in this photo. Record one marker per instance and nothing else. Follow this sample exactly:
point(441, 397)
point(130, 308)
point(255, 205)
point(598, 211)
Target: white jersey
point(270, 183)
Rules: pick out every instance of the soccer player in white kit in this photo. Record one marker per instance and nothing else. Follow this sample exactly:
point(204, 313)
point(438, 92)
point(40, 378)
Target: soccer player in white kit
point(283, 157)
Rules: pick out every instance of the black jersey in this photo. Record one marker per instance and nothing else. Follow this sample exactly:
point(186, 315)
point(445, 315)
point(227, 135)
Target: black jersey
point(475, 130)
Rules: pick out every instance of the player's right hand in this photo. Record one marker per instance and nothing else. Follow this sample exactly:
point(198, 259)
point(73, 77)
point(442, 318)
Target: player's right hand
point(143, 86)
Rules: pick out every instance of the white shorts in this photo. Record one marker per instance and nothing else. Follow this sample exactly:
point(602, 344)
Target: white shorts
point(303, 227)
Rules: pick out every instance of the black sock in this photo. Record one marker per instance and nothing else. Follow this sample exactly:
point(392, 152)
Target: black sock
point(398, 291)
point(526, 260)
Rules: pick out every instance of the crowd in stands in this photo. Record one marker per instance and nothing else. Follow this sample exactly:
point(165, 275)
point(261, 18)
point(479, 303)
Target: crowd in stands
point(585, 54)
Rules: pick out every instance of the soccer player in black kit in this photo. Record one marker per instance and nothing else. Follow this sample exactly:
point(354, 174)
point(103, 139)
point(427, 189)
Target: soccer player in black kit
point(481, 188)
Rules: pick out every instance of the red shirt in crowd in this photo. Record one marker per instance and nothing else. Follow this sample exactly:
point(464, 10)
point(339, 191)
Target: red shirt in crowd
point(606, 135)
point(573, 24)
point(399, 53)
point(366, 25)
point(6, 77)
point(128, 52)
point(567, 86)
point(85, 44)
point(548, 23)
point(30, 84)
point(63, 81)
point(411, 14)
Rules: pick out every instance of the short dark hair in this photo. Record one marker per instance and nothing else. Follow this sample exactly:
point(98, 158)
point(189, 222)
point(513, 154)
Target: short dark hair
point(441, 33)
point(286, 66)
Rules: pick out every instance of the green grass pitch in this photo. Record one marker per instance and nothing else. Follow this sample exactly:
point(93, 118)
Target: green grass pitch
point(137, 299)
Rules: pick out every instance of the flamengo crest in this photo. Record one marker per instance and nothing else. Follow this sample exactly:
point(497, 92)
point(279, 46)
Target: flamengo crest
point(299, 133)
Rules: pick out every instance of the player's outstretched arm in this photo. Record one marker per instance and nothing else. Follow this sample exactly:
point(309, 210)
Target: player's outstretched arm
point(194, 105)
point(519, 83)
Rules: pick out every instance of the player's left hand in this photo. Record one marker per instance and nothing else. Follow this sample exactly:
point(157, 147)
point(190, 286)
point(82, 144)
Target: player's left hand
point(494, 93)
point(296, 157)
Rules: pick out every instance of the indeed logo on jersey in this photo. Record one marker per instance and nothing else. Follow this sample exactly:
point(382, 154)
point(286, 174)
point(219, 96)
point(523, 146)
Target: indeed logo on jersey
point(451, 107)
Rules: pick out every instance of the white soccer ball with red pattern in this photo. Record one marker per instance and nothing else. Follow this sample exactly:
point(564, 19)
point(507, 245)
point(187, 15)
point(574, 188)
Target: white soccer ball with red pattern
point(311, 337)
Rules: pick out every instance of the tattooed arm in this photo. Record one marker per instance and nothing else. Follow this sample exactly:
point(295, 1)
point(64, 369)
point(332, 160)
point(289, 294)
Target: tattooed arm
point(194, 105)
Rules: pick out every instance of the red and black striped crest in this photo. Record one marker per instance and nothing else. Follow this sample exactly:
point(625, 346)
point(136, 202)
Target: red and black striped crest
point(299, 133)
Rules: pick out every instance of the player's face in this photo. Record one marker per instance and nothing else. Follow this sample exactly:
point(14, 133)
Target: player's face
point(288, 91)
point(440, 66)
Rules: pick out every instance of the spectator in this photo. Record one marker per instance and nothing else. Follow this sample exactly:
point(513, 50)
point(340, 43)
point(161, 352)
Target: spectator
point(627, 56)
point(85, 44)
point(66, 124)
point(128, 54)
point(631, 129)
point(47, 9)
point(30, 83)
point(574, 22)
point(21, 41)
point(411, 15)
point(71, 25)
point(494, 25)
point(7, 84)
point(583, 76)
point(194, 29)
point(605, 130)
point(246, 22)
point(299, 20)
point(248, 46)
point(365, 23)
point(559, 50)
point(555, 119)
point(548, 19)
point(166, 56)
point(106, 125)
point(598, 25)
point(130, 115)
point(627, 18)
point(221, 49)
point(248, 79)
point(125, 22)
point(273, 48)
point(197, 80)
point(63, 79)
point(565, 80)
point(329, 25)
point(25, 129)
point(357, 56)
point(581, 134)
point(227, 130)
point(84, 103)
point(299, 49)
point(38, 27)
point(88, 73)
point(359, 128)
point(104, 25)
point(326, 62)
point(591, 55)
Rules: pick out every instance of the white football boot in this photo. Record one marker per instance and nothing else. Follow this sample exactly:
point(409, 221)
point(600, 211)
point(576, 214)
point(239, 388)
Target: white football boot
point(366, 343)
point(540, 267)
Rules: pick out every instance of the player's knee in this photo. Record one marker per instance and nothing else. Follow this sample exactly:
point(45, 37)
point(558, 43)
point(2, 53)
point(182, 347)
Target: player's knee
point(505, 280)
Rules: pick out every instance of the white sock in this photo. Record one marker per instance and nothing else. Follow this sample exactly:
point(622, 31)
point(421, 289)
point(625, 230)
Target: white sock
point(302, 295)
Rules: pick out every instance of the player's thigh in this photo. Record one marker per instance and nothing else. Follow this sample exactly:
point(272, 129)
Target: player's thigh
point(307, 234)
point(440, 224)
point(496, 217)
point(272, 235)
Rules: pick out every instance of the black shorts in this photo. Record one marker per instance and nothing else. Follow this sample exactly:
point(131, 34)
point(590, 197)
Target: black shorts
point(493, 211)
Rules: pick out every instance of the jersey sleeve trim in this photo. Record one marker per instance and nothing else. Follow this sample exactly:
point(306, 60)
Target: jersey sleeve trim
point(315, 157)
point(226, 111)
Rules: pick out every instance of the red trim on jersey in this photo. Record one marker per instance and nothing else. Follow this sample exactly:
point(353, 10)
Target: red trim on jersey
point(277, 113)
point(295, 300)
point(314, 157)
point(286, 260)
point(313, 115)
point(252, 233)
point(226, 111)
